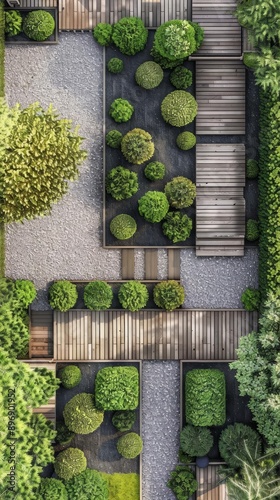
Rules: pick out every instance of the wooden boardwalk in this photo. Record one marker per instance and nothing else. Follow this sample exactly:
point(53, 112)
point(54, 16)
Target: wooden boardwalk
point(41, 335)
point(208, 484)
point(49, 409)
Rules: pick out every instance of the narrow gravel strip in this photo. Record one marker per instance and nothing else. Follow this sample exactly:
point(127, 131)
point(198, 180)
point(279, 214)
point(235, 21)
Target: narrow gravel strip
point(162, 264)
point(160, 426)
point(139, 271)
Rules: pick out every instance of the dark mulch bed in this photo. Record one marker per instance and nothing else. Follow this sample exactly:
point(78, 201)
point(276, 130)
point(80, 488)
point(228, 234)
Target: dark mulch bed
point(147, 115)
point(99, 446)
point(236, 405)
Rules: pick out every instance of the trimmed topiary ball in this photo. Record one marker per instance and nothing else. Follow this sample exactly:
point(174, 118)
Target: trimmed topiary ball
point(13, 22)
point(124, 420)
point(177, 226)
point(232, 444)
point(180, 192)
point(121, 110)
point(179, 108)
point(63, 435)
point(137, 146)
point(63, 295)
point(169, 295)
point(252, 230)
point(252, 169)
point(175, 39)
point(186, 140)
point(181, 78)
point(89, 485)
point(98, 295)
point(70, 376)
point(251, 299)
point(52, 489)
point(80, 414)
point(121, 183)
point(153, 206)
point(155, 171)
point(38, 25)
point(149, 75)
point(70, 463)
point(114, 139)
point(102, 33)
point(196, 441)
point(130, 445)
point(130, 35)
point(123, 226)
point(115, 65)
point(133, 295)
point(25, 292)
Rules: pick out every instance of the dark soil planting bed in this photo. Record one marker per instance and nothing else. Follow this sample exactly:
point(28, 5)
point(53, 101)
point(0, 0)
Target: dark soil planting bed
point(22, 39)
point(147, 115)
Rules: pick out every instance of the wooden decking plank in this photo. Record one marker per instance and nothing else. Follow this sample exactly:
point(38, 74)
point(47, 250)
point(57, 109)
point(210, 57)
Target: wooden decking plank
point(151, 263)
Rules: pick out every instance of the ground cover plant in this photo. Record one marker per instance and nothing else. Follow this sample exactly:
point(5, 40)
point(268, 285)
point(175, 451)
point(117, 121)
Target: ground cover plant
point(63, 435)
point(117, 388)
point(124, 420)
point(123, 486)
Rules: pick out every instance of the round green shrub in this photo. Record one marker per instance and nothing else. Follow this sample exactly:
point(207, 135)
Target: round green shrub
point(70, 376)
point(164, 62)
point(182, 482)
point(80, 414)
point(133, 295)
point(153, 206)
point(70, 463)
point(124, 420)
point(252, 169)
point(121, 183)
point(180, 192)
point(252, 230)
point(250, 59)
point(155, 171)
point(251, 299)
point(169, 295)
point(89, 485)
point(198, 34)
point(130, 445)
point(115, 65)
point(98, 295)
point(38, 25)
point(24, 292)
point(121, 110)
point(13, 22)
point(102, 33)
point(63, 295)
point(196, 441)
point(123, 226)
point(137, 146)
point(149, 75)
point(179, 108)
point(130, 35)
point(52, 489)
point(181, 78)
point(175, 39)
point(63, 435)
point(232, 444)
point(114, 139)
point(177, 226)
point(186, 140)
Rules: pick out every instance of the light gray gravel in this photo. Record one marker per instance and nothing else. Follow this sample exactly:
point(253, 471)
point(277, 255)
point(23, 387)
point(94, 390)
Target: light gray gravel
point(160, 426)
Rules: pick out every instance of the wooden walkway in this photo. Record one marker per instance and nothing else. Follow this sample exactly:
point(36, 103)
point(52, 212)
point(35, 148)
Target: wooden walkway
point(41, 337)
point(182, 334)
point(150, 263)
point(49, 409)
point(220, 203)
point(208, 484)
point(220, 94)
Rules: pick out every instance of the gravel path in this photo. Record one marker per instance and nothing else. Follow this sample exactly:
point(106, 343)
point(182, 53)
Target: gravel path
point(160, 426)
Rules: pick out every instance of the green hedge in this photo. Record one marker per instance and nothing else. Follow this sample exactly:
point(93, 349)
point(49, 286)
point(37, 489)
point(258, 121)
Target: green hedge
point(205, 397)
point(117, 388)
point(2, 92)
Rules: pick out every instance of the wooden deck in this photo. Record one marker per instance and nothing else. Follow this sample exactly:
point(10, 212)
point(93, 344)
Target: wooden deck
point(41, 338)
point(49, 409)
point(208, 484)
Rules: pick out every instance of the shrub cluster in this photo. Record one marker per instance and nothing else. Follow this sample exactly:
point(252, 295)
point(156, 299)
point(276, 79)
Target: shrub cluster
point(205, 397)
point(250, 59)
point(121, 110)
point(115, 65)
point(252, 230)
point(133, 295)
point(130, 445)
point(179, 108)
point(121, 183)
point(252, 169)
point(164, 62)
point(88, 485)
point(98, 295)
point(236, 442)
point(182, 482)
point(63, 435)
point(149, 75)
point(196, 441)
point(52, 489)
point(177, 226)
point(117, 388)
point(38, 25)
point(114, 139)
point(123, 226)
point(250, 299)
point(186, 140)
point(169, 295)
point(124, 420)
point(70, 376)
point(137, 146)
point(180, 192)
point(155, 171)
point(2, 50)
point(175, 39)
point(70, 463)
point(130, 35)
point(181, 78)
point(63, 295)
point(153, 206)
point(80, 414)
point(103, 34)
point(13, 22)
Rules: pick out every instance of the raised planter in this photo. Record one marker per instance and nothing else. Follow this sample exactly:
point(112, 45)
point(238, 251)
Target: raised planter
point(22, 39)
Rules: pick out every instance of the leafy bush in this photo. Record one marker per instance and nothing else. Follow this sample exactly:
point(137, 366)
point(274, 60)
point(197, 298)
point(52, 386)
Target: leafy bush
point(164, 62)
point(14, 331)
point(153, 206)
point(198, 34)
point(123, 486)
point(117, 388)
point(80, 414)
point(38, 25)
point(98, 295)
point(63, 295)
point(250, 59)
point(102, 33)
point(175, 39)
point(130, 445)
point(52, 489)
point(124, 420)
point(181, 78)
point(252, 230)
point(250, 299)
point(179, 108)
point(205, 397)
point(137, 146)
point(177, 226)
point(13, 22)
point(70, 463)
point(2, 52)
point(89, 485)
point(169, 295)
point(149, 75)
point(182, 482)
point(232, 444)
point(7, 290)
point(115, 65)
point(114, 139)
point(196, 441)
point(133, 295)
point(123, 226)
point(25, 292)
point(154, 171)
point(63, 435)
point(252, 169)
point(70, 376)
point(186, 140)
point(121, 183)
point(130, 35)
point(180, 192)
point(121, 110)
